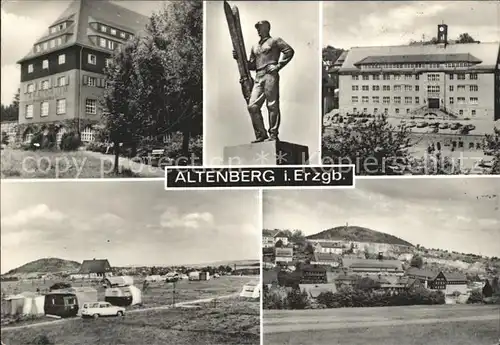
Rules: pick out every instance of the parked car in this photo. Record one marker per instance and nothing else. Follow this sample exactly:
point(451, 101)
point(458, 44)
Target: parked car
point(444, 125)
point(456, 126)
point(98, 309)
point(422, 125)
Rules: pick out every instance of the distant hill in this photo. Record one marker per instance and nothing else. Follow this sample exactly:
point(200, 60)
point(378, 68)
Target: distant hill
point(228, 263)
point(47, 265)
point(357, 234)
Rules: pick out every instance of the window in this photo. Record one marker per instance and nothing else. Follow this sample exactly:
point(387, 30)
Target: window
point(354, 110)
point(91, 81)
point(45, 85)
point(365, 110)
point(113, 32)
point(386, 77)
point(407, 110)
point(376, 99)
point(408, 76)
point(61, 106)
point(397, 77)
point(474, 88)
point(354, 99)
point(461, 100)
point(355, 77)
point(452, 100)
point(61, 59)
point(386, 110)
point(473, 112)
point(376, 88)
point(53, 30)
point(461, 88)
point(433, 77)
point(417, 100)
point(59, 41)
point(364, 99)
point(397, 87)
point(408, 100)
point(45, 45)
point(460, 112)
point(45, 64)
point(417, 88)
point(108, 63)
point(123, 35)
point(366, 77)
point(102, 42)
point(92, 59)
point(396, 110)
point(386, 88)
point(397, 100)
point(461, 76)
point(376, 77)
point(386, 100)
point(417, 77)
point(473, 76)
point(61, 81)
point(29, 111)
point(408, 88)
point(91, 106)
point(366, 88)
point(433, 88)
point(111, 45)
point(44, 109)
point(38, 48)
point(451, 76)
point(104, 28)
point(52, 43)
point(31, 88)
point(30, 68)
point(87, 134)
point(473, 100)
point(452, 88)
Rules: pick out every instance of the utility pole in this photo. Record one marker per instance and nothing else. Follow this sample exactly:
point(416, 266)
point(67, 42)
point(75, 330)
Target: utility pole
point(173, 294)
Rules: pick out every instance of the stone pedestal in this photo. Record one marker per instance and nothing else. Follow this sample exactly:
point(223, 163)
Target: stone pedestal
point(267, 153)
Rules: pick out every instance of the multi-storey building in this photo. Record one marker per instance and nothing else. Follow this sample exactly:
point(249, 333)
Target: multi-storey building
point(457, 84)
point(62, 77)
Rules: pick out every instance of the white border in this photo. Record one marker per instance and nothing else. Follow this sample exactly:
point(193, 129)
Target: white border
point(204, 87)
point(237, 167)
point(99, 179)
point(320, 53)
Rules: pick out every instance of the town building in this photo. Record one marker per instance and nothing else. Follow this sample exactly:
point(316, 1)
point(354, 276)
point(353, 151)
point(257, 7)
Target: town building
point(326, 259)
point(449, 91)
point(93, 269)
point(283, 255)
point(271, 237)
point(446, 282)
point(314, 274)
point(329, 247)
point(62, 77)
point(367, 267)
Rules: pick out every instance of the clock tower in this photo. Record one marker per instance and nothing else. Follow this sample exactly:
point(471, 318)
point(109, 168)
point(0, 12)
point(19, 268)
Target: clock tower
point(442, 36)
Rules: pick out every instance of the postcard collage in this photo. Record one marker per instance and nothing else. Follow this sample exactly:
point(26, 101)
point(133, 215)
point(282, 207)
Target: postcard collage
point(250, 172)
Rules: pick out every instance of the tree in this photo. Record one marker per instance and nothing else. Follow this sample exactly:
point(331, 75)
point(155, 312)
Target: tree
point(367, 284)
point(331, 54)
point(465, 38)
point(309, 249)
point(492, 147)
point(487, 289)
point(297, 237)
point(495, 284)
point(417, 262)
point(375, 147)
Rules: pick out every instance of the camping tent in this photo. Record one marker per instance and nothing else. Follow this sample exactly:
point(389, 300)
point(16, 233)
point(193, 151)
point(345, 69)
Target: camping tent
point(119, 281)
point(194, 275)
point(251, 290)
point(26, 303)
point(123, 296)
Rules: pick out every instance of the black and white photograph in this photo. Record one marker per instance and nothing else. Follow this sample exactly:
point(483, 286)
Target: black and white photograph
point(101, 89)
point(391, 262)
point(412, 88)
point(128, 263)
point(262, 83)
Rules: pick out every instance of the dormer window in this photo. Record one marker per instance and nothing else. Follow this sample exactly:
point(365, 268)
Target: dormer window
point(123, 35)
point(113, 32)
point(59, 41)
point(38, 49)
point(45, 45)
point(111, 45)
point(104, 28)
point(52, 43)
point(102, 42)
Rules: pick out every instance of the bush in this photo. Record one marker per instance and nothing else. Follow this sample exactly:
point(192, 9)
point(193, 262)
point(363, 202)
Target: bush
point(272, 300)
point(297, 299)
point(42, 340)
point(173, 149)
point(476, 296)
point(70, 141)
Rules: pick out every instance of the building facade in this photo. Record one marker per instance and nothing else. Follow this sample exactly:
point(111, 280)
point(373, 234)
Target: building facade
point(448, 283)
point(62, 77)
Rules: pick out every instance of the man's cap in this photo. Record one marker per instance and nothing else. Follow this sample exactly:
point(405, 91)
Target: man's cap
point(262, 22)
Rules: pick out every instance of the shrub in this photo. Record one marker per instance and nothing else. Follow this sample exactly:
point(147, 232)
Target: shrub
point(476, 296)
point(5, 138)
point(272, 300)
point(70, 141)
point(42, 340)
point(297, 299)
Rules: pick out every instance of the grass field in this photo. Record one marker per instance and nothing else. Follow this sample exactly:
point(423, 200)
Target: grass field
point(416, 325)
point(76, 164)
point(232, 322)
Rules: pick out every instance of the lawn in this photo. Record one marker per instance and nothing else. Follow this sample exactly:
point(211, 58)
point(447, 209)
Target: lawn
point(230, 322)
point(75, 164)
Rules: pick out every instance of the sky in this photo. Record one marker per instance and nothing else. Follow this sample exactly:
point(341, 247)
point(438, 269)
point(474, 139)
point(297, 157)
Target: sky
point(380, 23)
point(24, 21)
point(444, 213)
point(129, 223)
point(227, 120)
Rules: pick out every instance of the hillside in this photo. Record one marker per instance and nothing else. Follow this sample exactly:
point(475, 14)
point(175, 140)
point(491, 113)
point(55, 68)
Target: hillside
point(358, 234)
point(47, 265)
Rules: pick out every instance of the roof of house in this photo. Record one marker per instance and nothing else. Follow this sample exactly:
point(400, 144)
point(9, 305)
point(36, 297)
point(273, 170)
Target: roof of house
point(329, 244)
point(483, 54)
point(94, 266)
point(430, 275)
point(327, 257)
point(269, 233)
point(81, 13)
point(281, 234)
point(371, 263)
point(284, 251)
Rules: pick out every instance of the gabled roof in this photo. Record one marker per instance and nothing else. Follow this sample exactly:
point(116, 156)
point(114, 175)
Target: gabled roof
point(418, 58)
point(269, 233)
point(486, 53)
point(80, 13)
point(94, 266)
point(329, 244)
point(281, 234)
point(431, 275)
point(327, 257)
point(287, 251)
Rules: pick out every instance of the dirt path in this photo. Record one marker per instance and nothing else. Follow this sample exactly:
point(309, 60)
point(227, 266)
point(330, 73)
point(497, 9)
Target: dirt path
point(135, 311)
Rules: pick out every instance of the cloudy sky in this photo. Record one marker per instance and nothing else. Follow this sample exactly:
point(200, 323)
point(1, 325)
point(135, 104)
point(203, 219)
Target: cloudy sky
point(437, 213)
point(227, 119)
point(374, 23)
point(129, 223)
point(24, 21)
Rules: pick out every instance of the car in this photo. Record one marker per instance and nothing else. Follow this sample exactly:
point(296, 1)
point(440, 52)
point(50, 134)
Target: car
point(444, 125)
point(98, 309)
point(422, 125)
point(455, 126)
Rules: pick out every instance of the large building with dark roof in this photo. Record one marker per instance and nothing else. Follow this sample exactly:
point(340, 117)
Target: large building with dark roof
point(446, 282)
point(434, 88)
point(62, 77)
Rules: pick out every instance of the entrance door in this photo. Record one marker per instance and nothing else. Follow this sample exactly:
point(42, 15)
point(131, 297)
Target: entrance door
point(433, 103)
